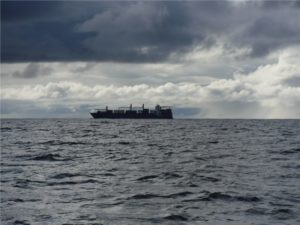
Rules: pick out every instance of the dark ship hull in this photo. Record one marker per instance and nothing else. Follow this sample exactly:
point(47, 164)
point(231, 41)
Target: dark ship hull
point(160, 112)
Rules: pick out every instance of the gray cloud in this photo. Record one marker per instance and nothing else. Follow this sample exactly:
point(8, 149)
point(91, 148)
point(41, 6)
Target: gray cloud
point(12, 11)
point(186, 112)
point(271, 91)
point(208, 59)
point(32, 70)
point(11, 108)
point(84, 68)
point(293, 81)
point(142, 31)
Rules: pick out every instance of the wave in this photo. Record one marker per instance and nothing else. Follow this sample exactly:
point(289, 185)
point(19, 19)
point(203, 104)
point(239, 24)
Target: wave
point(124, 142)
point(211, 179)
point(144, 196)
point(179, 194)
point(107, 174)
point(257, 211)
point(6, 129)
point(56, 142)
point(150, 195)
point(49, 157)
point(169, 175)
point(17, 200)
point(213, 142)
point(219, 195)
point(66, 175)
point(175, 217)
point(211, 196)
point(120, 159)
point(72, 182)
point(281, 213)
point(25, 183)
point(21, 222)
point(147, 177)
point(23, 142)
point(290, 151)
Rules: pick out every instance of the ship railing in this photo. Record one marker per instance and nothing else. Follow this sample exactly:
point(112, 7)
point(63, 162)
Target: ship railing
point(137, 109)
point(132, 108)
point(119, 111)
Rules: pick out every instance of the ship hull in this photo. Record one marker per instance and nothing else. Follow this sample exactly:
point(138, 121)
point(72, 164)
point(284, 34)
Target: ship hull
point(160, 112)
point(124, 116)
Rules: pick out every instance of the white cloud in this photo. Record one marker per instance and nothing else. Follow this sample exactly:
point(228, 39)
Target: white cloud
point(270, 91)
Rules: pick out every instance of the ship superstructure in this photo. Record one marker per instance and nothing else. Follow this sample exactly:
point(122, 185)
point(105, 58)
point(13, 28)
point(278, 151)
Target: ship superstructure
point(159, 112)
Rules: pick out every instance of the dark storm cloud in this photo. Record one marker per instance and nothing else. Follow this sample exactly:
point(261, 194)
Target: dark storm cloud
point(277, 27)
point(141, 31)
point(21, 11)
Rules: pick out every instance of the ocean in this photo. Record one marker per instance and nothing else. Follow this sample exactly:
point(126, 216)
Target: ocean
point(132, 172)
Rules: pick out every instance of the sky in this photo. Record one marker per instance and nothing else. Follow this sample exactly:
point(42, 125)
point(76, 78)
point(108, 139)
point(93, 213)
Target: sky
point(206, 59)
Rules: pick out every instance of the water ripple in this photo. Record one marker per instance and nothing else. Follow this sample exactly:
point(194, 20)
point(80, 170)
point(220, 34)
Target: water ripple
point(84, 171)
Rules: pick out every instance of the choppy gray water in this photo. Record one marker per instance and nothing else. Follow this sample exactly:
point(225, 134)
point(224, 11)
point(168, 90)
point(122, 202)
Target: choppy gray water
point(87, 171)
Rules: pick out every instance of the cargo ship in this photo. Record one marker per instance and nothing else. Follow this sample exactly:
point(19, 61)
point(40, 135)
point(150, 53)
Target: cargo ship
point(159, 112)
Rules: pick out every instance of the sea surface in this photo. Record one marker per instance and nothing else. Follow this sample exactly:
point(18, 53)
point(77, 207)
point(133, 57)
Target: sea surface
point(131, 172)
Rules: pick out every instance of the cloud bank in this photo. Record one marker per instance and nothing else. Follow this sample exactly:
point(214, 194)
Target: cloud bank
point(271, 91)
point(142, 31)
point(207, 59)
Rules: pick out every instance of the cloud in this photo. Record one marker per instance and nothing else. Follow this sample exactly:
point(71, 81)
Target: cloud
point(264, 93)
point(19, 11)
point(32, 70)
point(206, 59)
point(30, 109)
point(139, 32)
